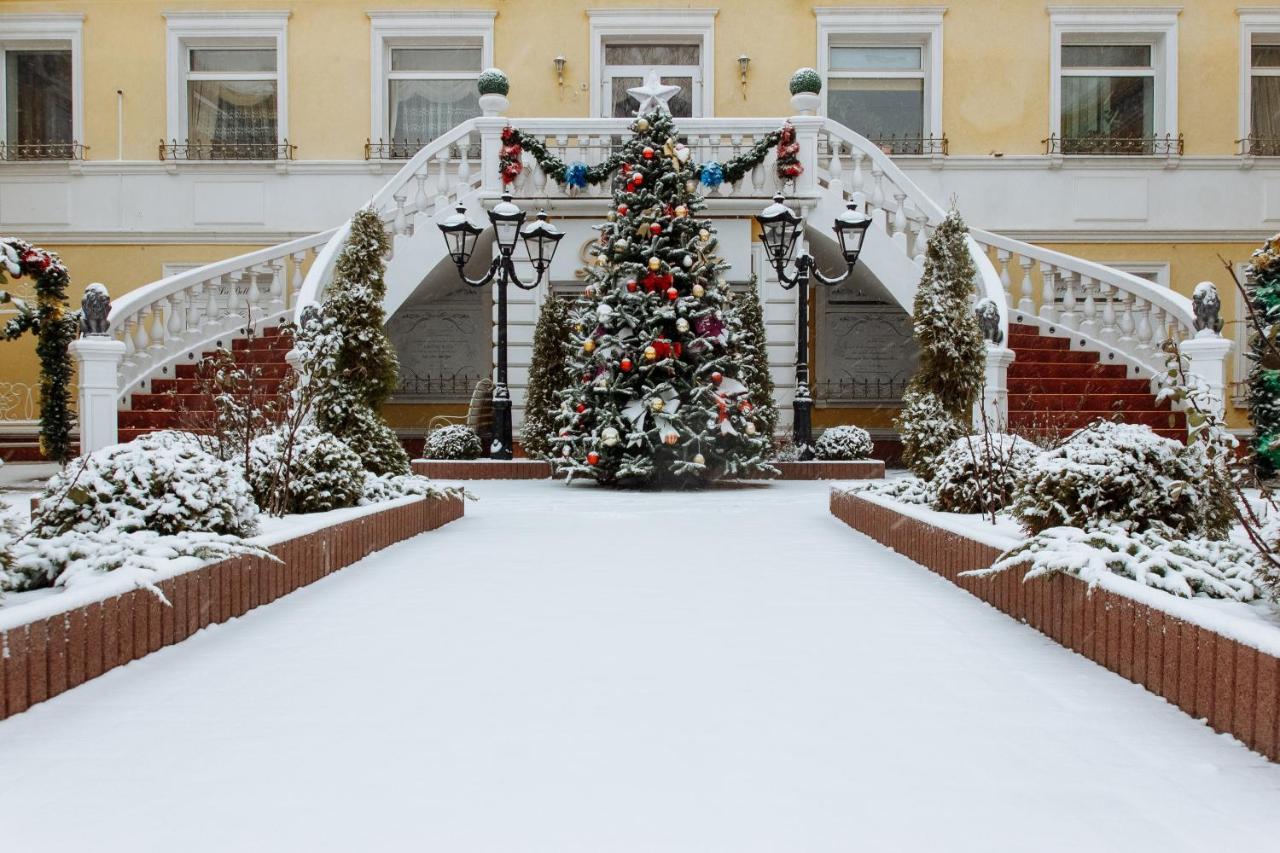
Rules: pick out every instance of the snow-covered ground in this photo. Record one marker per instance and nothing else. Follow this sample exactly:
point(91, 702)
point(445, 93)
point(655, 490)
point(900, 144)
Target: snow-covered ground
point(573, 669)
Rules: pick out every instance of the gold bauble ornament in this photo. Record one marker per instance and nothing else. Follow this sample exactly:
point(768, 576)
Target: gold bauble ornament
point(655, 264)
point(751, 428)
point(681, 210)
point(699, 459)
point(609, 437)
point(656, 404)
point(698, 291)
point(704, 235)
point(650, 353)
point(588, 345)
point(578, 328)
point(682, 325)
point(690, 186)
point(612, 217)
point(642, 124)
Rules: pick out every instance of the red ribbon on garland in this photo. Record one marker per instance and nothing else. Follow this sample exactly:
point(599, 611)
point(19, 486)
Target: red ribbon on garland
point(789, 167)
point(509, 163)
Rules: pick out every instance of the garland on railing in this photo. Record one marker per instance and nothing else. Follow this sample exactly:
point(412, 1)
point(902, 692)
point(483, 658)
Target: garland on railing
point(711, 174)
point(55, 329)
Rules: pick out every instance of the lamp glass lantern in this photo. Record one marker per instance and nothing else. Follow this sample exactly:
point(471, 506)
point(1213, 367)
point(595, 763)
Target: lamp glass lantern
point(540, 241)
point(851, 229)
point(780, 226)
point(506, 219)
point(460, 236)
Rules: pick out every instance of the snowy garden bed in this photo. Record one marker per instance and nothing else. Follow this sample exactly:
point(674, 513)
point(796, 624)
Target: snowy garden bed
point(1216, 659)
point(56, 638)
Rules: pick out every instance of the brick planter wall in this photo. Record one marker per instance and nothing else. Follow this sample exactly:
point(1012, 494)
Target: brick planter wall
point(482, 469)
point(1235, 687)
point(861, 469)
point(43, 658)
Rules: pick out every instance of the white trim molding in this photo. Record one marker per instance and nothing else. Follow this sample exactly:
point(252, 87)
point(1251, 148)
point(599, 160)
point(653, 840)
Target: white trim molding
point(1153, 25)
point(62, 28)
point(1156, 272)
point(613, 24)
point(184, 29)
point(1259, 21)
point(405, 28)
point(919, 25)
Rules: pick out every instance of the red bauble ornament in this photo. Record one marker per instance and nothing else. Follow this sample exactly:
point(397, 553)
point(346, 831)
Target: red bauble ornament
point(622, 210)
point(661, 348)
point(626, 168)
point(580, 408)
point(655, 228)
point(625, 364)
point(717, 377)
point(593, 458)
point(648, 153)
point(673, 294)
point(744, 407)
point(632, 287)
point(637, 179)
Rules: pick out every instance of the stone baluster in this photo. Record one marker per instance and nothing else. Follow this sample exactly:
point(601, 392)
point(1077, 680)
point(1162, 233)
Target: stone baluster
point(295, 284)
point(1126, 324)
point(276, 266)
point(212, 315)
point(899, 234)
point(464, 169)
point(195, 294)
point(442, 179)
point(1145, 331)
point(757, 179)
point(1048, 293)
point(1067, 313)
point(157, 325)
point(1025, 305)
point(420, 200)
point(234, 317)
point(858, 180)
point(736, 141)
point(1089, 318)
point(877, 191)
point(921, 220)
point(1109, 330)
point(400, 223)
point(177, 315)
point(130, 348)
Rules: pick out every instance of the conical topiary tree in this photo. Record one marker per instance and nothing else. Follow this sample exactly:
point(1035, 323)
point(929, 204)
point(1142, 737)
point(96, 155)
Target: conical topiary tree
point(346, 355)
point(938, 403)
point(1263, 287)
point(548, 377)
point(751, 315)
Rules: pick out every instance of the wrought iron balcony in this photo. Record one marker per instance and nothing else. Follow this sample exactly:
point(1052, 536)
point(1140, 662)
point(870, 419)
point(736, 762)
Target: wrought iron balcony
point(440, 388)
point(1112, 146)
point(204, 151)
point(1259, 146)
point(912, 146)
point(860, 390)
point(28, 151)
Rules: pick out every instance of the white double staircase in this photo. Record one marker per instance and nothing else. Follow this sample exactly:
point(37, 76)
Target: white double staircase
point(1125, 318)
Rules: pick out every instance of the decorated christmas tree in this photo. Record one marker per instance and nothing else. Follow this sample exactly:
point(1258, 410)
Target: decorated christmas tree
point(1264, 371)
point(661, 369)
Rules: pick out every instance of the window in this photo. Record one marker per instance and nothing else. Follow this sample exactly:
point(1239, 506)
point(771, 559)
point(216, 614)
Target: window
point(227, 87)
point(1260, 82)
point(883, 75)
point(626, 65)
point(40, 81)
point(628, 44)
point(425, 66)
point(1114, 81)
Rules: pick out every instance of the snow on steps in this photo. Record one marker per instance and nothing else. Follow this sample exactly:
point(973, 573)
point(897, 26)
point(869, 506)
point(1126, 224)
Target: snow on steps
point(1054, 390)
point(65, 638)
point(1214, 665)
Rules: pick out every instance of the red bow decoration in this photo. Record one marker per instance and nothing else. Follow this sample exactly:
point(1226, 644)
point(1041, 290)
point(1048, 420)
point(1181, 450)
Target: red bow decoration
point(653, 281)
point(509, 163)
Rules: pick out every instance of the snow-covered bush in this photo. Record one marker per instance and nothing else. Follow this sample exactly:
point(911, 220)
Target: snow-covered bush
point(842, 443)
point(907, 490)
point(452, 442)
point(1122, 474)
point(378, 489)
point(161, 482)
point(927, 429)
point(977, 473)
point(10, 529)
point(1185, 566)
point(315, 472)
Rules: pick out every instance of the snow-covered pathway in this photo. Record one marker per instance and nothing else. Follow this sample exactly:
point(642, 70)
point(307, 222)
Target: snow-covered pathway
point(575, 669)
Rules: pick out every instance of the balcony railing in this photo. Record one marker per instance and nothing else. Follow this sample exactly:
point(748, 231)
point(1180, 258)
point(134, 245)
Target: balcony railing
point(912, 146)
point(1115, 146)
point(1259, 146)
point(860, 390)
point(175, 150)
point(29, 151)
point(440, 387)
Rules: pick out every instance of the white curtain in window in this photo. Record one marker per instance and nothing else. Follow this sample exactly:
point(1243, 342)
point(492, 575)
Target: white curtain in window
point(421, 110)
point(1266, 107)
point(231, 112)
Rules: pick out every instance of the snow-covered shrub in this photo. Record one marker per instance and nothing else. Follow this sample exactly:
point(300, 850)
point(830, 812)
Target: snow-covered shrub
point(452, 442)
point(1122, 474)
point(161, 482)
point(927, 429)
point(842, 443)
point(10, 529)
point(977, 473)
point(378, 489)
point(907, 490)
point(1185, 566)
point(315, 472)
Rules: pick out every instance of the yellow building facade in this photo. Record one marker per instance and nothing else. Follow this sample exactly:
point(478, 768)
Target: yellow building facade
point(1139, 135)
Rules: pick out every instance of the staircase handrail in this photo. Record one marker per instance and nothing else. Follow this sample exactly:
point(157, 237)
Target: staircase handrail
point(918, 197)
point(321, 271)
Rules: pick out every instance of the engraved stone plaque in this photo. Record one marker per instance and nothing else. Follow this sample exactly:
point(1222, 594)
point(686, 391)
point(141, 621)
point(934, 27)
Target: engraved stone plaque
point(443, 344)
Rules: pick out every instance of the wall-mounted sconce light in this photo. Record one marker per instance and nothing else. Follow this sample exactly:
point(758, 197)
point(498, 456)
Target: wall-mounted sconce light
point(743, 62)
point(559, 63)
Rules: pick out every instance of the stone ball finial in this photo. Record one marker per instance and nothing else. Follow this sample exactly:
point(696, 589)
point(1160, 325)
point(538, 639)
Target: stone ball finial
point(1207, 306)
point(95, 306)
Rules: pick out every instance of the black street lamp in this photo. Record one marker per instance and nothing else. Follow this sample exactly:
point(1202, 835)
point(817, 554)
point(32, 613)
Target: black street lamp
point(540, 240)
point(780, 227)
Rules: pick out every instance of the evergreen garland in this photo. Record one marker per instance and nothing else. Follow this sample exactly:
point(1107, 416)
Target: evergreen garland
point(1263, 290)
point(938, 403)
point(548, 377)
point(755, 344)
point(346, 355)
point(55, 328)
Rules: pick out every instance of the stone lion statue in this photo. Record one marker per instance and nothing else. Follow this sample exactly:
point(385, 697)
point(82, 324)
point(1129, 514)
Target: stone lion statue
point(94, 308)
point(1206, 305)
point(989, 320)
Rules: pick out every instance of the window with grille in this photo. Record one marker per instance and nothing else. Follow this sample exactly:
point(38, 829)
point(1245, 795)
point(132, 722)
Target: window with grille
point(878, 90)
point(627, 64)
point(231, 100)
point(431, 87)
point(1108, 97)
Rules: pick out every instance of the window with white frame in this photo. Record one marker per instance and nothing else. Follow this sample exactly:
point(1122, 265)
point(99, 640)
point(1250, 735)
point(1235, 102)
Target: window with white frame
point(1114, 81)
point(1260, 82)
point(628, 44)
point(425, 66)
point(41, 86)
point(882, 73)
point(227, 86)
